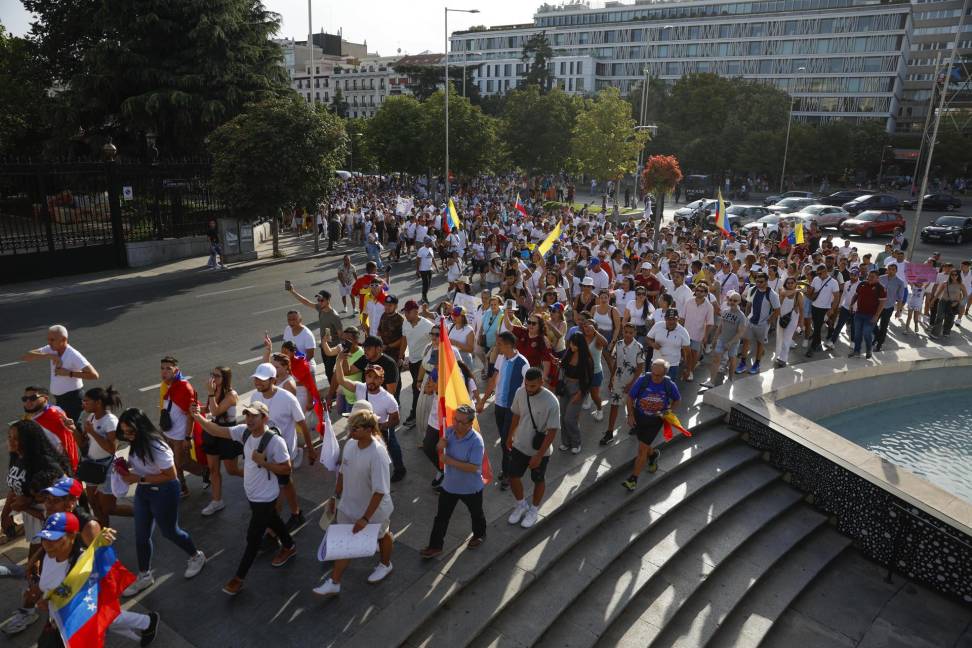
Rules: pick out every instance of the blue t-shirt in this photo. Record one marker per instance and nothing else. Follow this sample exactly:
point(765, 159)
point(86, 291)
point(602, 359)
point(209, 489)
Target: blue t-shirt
point(651, 398)
point(511, 372)
point(468, 449)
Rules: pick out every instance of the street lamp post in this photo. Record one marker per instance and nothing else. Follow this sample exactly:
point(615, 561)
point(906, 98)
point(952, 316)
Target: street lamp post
point(446, 15)
point(881, 166)
point(786, 146)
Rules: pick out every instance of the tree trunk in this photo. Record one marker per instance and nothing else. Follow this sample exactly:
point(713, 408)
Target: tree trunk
point(656, 217)
point(275, 231)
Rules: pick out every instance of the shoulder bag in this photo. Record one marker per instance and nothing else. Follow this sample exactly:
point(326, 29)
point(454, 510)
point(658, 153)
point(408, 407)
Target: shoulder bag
point(538, 436)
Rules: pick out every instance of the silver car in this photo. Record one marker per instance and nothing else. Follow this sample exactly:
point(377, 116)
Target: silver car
point(824, 215)
point(791, 205)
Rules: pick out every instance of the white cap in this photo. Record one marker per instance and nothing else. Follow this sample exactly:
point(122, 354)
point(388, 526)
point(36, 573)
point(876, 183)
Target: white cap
point(362, 406)
point(587, 281)
point(264, 371)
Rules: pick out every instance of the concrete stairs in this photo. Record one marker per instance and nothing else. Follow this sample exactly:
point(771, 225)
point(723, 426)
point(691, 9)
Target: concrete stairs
point(708, 551)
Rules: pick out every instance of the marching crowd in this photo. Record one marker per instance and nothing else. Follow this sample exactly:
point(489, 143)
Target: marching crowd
point(551, 311)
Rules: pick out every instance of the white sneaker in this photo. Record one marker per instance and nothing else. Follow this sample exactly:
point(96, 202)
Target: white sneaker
point(575, 450)
point(144, 581)
point(213, 507)
point(828, 344)
point(327, 588)
point(518, 512)
point(564, 447)
point(380, 572)
point(530, 518)
point(588, 403)
point(195, 564)
point(598, 415)
point(793, 345)
point(20, 621)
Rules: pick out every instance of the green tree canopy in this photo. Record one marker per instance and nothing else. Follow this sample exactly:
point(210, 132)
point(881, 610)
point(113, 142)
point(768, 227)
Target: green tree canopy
point(536, 128)
point(395, 135)
point(605, 143)
point(537, 52)
point(473, 144)
point(26, 107)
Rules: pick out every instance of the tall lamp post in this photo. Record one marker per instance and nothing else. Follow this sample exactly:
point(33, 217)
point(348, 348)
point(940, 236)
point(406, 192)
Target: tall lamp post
point(786, 146)
point(446, 14)
point(881, 166)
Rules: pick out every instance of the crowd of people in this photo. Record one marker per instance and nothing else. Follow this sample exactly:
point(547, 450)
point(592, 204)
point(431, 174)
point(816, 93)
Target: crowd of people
point(554, 312)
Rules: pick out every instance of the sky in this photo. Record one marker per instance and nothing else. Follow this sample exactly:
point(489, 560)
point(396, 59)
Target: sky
point(387, 25)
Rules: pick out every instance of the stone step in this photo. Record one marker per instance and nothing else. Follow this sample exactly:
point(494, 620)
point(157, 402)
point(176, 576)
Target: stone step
point(659, 603)
point(754, 616)
point(530, 553)
point(697, 496)
point(698, 618)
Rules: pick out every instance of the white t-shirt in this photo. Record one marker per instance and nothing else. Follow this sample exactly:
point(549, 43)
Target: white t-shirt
point(72, 360)
point(285, 414)
point(104, 425)
point(158, 459)
point(180, 421)
point(260, 484)
point(416, 337)
point(671, 341)
point(635, 312)
point(424, 255)
point(53, 573)
point(304, 340)
point(366, 471)
point(382, 402)
point(824, 289)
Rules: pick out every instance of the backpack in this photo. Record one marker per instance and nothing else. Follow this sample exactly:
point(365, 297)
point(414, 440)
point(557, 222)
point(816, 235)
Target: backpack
point(264, 442)
point(904, 244)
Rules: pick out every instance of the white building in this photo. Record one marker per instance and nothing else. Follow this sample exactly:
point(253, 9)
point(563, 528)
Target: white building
point(366, 82)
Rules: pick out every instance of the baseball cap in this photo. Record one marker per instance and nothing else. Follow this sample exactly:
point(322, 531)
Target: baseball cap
point(411, 304)
point(65, 486)
point(257, 407)
point(375, 369)
point(855, 270)
point(264, 371)
point(391, 299)
point(671, 313)
point(57, 525)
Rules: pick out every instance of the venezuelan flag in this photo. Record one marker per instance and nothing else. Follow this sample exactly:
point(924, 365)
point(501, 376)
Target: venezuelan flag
point(450, 219)
point(86, 603)
point(550, 240)
point(720, 220)
point(796, 236)
point(453, 392)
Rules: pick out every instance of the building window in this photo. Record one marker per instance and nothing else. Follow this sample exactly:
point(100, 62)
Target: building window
point(580, 67)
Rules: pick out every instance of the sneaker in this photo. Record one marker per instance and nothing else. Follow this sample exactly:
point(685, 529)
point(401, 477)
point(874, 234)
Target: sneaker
point(398, 475)
point(234, 586)
point(327, 588)
point(868, 356)
point(653, 461)
point(754, 369)
point(410, 422)
point(630, 483)
point(213, 507)
point(430, 552)
point(564, 447)
point(148, 634)
point(195, 564)
point(530, 517)
point(438, 480)
point(607, 438)
point(518, 512)
point(690, 377)
point(20, 620)
point(741, 367)
point(597, 415)
point(144, 581)
point(295, 520)
point(475, 542)
point(854, 354)
point(588, 403)
point(380, 572)
point(779, 364)
point(284, 556)
point(708, 384)
point(575, 450)
point(828, 345)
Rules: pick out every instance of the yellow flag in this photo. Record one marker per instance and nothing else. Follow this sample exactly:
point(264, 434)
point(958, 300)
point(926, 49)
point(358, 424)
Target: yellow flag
point(550, 240)
point(453, 216)
point(798, 232)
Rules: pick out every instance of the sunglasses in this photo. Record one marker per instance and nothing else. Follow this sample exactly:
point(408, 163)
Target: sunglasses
point(533, 321)
point(27, 399)
point(215, 375)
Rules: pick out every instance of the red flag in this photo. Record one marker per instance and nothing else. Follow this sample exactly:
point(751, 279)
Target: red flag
point(53, 420)
point(520, 207)
point(301, 370)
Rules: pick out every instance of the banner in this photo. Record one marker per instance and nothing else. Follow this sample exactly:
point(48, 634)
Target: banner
point(920, 273)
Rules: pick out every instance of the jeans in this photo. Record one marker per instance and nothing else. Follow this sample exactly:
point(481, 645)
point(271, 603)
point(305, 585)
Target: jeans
point(426, 284)
point(394, 449)
point(447, 504)
point(844, 318)
point(413, 370)
point(504, 417)
point(214, 256)
point(263, 516)
point(817, 315)
point(883, 322)
point(158, 504)
point(570, 434)
point(863, 331)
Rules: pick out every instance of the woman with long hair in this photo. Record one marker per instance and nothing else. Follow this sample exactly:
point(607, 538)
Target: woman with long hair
point(607, 320)
point(461, 335)
point(100, 425)
point(791, 308)
point(151, 466)
point(950, 296)
point(220, 407)
point(577, 373)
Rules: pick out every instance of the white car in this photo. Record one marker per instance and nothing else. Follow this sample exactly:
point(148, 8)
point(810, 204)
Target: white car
point(823, 215)
point(770, 225)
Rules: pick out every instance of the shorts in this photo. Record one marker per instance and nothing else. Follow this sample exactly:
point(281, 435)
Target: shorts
point(758, 333)
point(724, 351)
point(673, 372)
point(223, 448)
point(649, 431)
point(344, 518)
point(618, 394)
point(344, 291)
point(519, 463)
point(597, 380)
point(695, 345)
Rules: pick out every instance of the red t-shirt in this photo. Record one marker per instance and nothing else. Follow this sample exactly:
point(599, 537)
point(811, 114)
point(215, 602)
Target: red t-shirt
point(533, 349)
point(868, 297)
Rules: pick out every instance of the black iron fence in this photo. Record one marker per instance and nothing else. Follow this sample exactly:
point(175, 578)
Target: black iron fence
point(55, 216)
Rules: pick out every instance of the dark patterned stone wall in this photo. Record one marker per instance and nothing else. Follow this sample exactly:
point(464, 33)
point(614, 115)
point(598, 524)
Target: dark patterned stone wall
point(924, 548)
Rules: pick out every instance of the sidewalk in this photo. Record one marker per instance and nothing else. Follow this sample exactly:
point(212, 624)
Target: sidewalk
point(291, 249)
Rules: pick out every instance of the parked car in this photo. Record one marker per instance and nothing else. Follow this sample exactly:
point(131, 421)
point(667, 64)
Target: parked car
point(738, 216)
point(955, 229)
point(772, 200)
point(692, 212)
point(770, 224)
point(872, 222)
point(936, 201)
point(879, 202)
point(824, 215)
point(792, 205)
point(841, 197)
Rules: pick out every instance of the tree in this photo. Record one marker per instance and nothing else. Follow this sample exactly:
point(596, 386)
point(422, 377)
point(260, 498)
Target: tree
point(604, 141)
point(473, 145)
point(339, 105)
point(537, 52)
point(361, 153)
point(277, 154)
point(396, 135)
point(536, 128)
point(659, 178)
point(176, 69)
point(25, 105)
point(425, 80)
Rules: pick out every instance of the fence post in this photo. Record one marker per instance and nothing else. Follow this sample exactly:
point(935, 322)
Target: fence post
point(157, 207)
point(114, 207)
point(42, 184)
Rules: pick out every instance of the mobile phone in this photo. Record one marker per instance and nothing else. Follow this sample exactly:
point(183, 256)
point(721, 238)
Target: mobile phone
point(345, 345)
point(287, 284)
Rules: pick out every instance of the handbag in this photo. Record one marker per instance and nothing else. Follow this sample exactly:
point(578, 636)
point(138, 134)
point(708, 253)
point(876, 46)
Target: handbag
point(165, 418)
point(785, 319)
point(94, 471)
point(538, 436)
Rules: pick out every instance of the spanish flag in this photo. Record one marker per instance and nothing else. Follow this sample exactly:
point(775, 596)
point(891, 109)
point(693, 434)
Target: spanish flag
point(550, 240)
point(720, 219)
point(453, 392)
point(670, 422)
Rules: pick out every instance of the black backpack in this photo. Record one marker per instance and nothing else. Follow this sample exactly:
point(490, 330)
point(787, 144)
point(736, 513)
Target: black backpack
point(264, 442)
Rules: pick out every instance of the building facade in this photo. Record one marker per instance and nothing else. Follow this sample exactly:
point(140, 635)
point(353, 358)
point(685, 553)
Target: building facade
point(839, 59)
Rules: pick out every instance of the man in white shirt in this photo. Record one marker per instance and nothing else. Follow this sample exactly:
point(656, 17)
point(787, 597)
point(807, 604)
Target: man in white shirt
point(69, 370)
point(416, 331)
point(825, 293)
point(671, 339)
point(424, 265)
point(300, 335)
point(698, 319)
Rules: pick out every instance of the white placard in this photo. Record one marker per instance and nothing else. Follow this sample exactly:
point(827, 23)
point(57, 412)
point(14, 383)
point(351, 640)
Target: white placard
point(127, 193)
point(340, 543)
point(469, 302)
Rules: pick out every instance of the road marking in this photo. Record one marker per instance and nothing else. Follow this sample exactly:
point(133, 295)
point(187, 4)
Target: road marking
point(123, 305)
point(10, 364)
point(250, 360)
point(275, 308)
point(156, 385)
point(223, 292)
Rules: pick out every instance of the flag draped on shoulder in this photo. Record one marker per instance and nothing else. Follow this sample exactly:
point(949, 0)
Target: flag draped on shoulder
point(721, 221)
point(85, 604)
point(300, 367)
point(453, 392)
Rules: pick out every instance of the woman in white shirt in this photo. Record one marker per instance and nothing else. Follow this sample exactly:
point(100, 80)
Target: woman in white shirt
point(99, 425)
point(151, 466)
point(462, 336)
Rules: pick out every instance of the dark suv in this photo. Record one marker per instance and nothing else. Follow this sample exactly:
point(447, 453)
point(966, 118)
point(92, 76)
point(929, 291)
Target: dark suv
point(880, 202)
